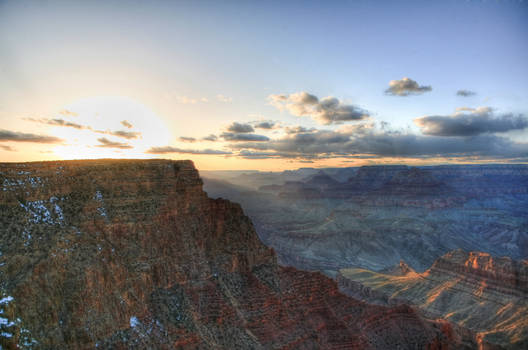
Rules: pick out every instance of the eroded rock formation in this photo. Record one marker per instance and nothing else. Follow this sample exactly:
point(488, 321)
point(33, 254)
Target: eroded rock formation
point(380, 215)
point(486, 294)
point(133, 254)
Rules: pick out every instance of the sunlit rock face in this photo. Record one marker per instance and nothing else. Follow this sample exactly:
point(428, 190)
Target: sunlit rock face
point(133, 254)
point(375, 216)
point(486, 294)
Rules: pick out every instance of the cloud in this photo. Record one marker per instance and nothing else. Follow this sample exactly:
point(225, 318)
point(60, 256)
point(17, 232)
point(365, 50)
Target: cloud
point(328, 110)
point(297, 129)
point(470, 122)
point(265, 125)
point(7, 148)
point(64, 123)
point(246, 154)
point(229, 136)
point(169, 149)
point(223, 98)
point(305, 145)
point(126, 124)
point(105, 143)
point(68, 113)
point(129, 135)
point(465, 93)
point(406, 87)
point(240, 128)
point(241, 132)
point(375, 143)
point(6, 135)
point(210, 137)
point(187, 139)
point(59, 122)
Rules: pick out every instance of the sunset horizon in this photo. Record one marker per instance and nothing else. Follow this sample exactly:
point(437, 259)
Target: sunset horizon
point(81, 80)
point(264, 175)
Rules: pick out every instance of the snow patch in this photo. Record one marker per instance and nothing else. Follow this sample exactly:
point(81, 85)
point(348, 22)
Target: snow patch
point(6, 300)
point(134, 322)
point(6, 322)
point(14, 184)
point(39, 212)
point(99, 197)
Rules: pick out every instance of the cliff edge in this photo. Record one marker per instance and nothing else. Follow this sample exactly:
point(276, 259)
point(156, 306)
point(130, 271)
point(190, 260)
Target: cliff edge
point(133, 254)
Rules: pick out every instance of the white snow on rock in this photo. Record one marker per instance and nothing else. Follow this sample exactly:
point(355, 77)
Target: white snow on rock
point(6, 300)
point(134, 322)
point(41, 214)
point(14, 184)
point(99, 197)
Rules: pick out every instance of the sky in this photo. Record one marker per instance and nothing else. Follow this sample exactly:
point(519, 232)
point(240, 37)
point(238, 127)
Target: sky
point(267, 85)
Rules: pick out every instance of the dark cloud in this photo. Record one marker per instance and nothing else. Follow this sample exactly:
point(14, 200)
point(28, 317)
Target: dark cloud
point(247, 154)
point(265, 125)
point(239, 128)
point(328, 110)
point(7, 148)
point(465, 93)
point(105, 143)
point(169, 149)
point(187, 139)
point(6, 135)
point(406, 87)
point(297, 129)
point(211, 137)
point(471, 122)
point(372, 142)
point(229, 136)
point(127, 124)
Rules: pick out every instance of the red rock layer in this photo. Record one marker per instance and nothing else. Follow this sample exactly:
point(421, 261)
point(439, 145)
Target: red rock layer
point(133, 254)
point(502, 274)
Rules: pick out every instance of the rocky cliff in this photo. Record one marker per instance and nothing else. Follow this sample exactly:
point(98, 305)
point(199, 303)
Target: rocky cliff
point(133, 254)
point(476, 290)
point(384, 214)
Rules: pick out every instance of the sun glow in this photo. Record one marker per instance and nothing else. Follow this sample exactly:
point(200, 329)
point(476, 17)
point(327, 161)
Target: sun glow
point(108, 127)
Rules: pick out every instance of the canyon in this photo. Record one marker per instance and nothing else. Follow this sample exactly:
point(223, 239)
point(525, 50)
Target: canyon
point(375, 216)
point(133, 254)
point(486, 294)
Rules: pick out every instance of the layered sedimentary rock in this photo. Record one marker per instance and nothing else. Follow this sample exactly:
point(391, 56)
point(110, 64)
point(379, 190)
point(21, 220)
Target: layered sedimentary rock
point(384, 214)
point(486, 294)
point(133, 254)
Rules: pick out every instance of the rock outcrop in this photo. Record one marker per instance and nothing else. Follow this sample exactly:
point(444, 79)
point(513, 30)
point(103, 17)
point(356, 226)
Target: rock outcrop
point(133, 254)
point(384, 214)
point(485, 294)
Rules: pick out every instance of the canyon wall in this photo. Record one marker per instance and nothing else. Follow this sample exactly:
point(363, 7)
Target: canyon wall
point(486, 294)
point(122, 254)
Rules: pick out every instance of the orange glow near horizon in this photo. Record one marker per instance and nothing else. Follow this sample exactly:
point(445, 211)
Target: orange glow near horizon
point(95, 120)
point(99, 117)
